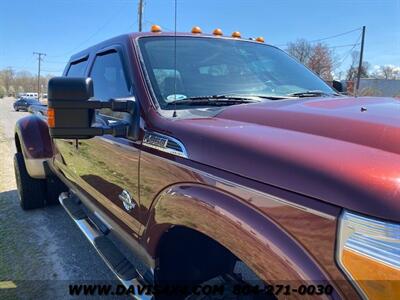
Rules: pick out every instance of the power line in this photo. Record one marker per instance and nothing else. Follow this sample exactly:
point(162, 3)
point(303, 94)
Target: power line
point(53, 71)
point(328, 37)
point(340, 46)
point(343, 46)
point(79, 46)
point(56, 62)
point(335, 36)
point(348, 53)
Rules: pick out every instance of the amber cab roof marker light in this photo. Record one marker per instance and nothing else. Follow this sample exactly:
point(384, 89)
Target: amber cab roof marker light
point(218, 32)
point(196, 30)
point(236, 35)
point(155, 28)
point(260, 39)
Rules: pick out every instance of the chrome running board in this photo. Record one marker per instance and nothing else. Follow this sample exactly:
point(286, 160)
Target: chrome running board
point(114, 259)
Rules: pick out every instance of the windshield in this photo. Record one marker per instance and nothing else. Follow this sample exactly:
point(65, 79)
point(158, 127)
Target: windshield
point(211, 66)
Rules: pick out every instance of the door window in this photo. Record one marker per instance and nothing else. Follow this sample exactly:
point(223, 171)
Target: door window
point(109, 82)
point(108, 76)
point(77, 69)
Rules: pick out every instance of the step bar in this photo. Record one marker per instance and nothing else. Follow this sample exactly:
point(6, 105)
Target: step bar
point(117, 263)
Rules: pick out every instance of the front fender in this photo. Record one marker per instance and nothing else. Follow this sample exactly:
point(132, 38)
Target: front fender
point(254, 238)
point(33, 140)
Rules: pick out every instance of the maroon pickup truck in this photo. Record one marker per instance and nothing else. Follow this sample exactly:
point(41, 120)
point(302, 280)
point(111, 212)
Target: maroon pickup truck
point(204, 166)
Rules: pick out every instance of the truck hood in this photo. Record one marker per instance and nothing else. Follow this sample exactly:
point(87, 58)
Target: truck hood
point(345, 151)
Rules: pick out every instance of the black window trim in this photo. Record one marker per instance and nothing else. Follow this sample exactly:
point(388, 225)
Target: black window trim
point(146, 75)
point(77, 61)
point(119, 50)
point(121, 54)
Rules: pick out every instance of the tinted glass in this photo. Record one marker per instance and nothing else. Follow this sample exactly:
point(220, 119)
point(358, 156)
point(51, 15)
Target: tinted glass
point(210, 66)
point(77, 69)
point(108, 77)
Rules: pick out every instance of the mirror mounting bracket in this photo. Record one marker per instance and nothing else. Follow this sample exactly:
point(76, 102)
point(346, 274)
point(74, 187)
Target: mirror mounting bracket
point(114, 105)
point(118, 130)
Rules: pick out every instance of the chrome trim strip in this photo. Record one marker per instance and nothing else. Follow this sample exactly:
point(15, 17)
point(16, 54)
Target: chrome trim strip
point(91, 232)
point(164, 148)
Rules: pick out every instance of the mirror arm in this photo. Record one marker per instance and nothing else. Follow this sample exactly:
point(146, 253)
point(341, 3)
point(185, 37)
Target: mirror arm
point(117, 130)
point(114, 105)
point(121, 106)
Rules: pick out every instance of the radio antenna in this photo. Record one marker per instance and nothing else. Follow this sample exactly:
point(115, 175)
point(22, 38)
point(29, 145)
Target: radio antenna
point(175, 71)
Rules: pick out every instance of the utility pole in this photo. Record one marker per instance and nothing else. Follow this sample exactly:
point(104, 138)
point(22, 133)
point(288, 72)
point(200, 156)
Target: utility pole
point(39, 54)
point(361, 60)
point(140, 14)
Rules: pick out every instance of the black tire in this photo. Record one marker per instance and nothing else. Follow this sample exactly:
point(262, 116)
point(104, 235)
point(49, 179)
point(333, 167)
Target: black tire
point(31, 191)
point(54, 188)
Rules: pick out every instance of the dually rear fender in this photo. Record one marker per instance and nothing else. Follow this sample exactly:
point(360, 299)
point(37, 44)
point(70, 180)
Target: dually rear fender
point(33, 140)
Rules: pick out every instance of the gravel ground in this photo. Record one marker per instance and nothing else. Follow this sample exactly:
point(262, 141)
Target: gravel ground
point(41, 251)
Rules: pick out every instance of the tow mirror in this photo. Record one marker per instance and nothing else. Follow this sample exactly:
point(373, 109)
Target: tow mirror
point(337, 85)
point(71, 111)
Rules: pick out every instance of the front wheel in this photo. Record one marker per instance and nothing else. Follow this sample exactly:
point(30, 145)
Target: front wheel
point(31, 191)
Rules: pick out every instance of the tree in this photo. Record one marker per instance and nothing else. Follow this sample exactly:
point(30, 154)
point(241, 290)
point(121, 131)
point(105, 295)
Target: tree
point(7, 77)
point(300, 49)
point(3, 91)
point(318, 57)
point(387, 72)
point(11, 90)
point(321, 61)
point(20, 89)
point(18, 82)
point(353, 69)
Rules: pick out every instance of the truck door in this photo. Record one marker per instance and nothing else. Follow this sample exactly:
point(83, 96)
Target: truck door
point(106, 168)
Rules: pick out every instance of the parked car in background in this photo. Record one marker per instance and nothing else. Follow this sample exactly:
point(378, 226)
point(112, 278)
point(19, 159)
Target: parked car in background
point(24, 103)
point(30, 95)
point(27, 95)
point(20, 95)
point(38, 109)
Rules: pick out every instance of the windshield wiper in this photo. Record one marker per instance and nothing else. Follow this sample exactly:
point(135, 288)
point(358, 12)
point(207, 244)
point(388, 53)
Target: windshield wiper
point(214, 100)
point(271, 97)
point(315, 93)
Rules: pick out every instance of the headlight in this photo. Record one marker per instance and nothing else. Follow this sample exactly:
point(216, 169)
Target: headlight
point(368, 251)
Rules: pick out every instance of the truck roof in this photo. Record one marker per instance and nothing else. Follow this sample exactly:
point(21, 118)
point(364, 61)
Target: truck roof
point(134, 35)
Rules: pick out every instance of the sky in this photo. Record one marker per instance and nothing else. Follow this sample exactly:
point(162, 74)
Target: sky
point(60, 28)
